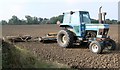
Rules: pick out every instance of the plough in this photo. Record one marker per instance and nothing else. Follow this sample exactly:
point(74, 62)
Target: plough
point(26, 38)
point(19, 38)
point(49, 37)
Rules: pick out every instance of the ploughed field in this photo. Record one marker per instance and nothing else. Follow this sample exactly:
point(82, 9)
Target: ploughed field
point(78, 57)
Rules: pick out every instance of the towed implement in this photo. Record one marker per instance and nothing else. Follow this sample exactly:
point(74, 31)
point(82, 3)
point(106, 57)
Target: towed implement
point(50, 37)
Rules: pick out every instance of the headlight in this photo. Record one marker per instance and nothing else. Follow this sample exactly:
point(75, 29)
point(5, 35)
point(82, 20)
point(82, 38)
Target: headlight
point(106, 33)
point(103, 31)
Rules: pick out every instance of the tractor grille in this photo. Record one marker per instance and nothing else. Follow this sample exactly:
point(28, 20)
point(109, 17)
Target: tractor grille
point(103, 32)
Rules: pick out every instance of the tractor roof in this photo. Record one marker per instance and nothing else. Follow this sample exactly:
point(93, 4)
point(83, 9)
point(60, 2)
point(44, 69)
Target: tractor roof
point(73, 12)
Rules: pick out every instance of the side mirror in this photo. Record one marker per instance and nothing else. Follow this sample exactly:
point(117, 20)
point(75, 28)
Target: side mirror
point(71, 12)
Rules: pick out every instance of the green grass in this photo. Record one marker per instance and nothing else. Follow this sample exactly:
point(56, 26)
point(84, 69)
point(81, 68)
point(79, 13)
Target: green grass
point(0, 56)
point(15, 57)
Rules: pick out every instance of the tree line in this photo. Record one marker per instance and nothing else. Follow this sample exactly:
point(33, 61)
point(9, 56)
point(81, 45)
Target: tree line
point(108, 21)
point(31, 20)
point(38, 20)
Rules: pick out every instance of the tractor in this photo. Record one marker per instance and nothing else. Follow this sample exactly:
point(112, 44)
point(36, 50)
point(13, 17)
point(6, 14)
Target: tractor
point(77, 28)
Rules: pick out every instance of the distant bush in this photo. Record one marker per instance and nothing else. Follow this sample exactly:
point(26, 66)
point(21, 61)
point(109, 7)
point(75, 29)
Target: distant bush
point(38, 20)
point(118, 22)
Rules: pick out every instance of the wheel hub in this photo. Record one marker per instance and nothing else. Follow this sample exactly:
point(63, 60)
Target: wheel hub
point(95, 48)
point(64, 39)
point(109, 45)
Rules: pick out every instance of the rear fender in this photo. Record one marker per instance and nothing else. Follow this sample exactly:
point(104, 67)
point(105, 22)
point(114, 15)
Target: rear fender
point(68, 27)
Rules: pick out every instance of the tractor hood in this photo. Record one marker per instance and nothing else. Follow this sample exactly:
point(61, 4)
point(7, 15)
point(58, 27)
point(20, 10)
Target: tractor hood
point(96, 26)
point(102, 29)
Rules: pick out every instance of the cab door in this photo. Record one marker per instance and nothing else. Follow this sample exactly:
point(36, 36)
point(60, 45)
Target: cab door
point(84, 19)
point(75, 23)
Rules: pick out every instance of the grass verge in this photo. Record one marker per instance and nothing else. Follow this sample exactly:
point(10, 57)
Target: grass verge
point(15, 57)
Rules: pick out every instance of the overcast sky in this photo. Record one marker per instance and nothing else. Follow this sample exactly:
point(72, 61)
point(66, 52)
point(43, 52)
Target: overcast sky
point(50, 8)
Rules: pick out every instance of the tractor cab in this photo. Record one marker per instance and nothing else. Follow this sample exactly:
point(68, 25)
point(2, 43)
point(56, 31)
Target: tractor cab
point(76, 17)
point(76, 21)
point(80, 23)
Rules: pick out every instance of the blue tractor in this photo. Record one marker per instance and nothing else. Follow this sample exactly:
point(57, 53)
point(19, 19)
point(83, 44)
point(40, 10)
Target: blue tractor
point(77, 27)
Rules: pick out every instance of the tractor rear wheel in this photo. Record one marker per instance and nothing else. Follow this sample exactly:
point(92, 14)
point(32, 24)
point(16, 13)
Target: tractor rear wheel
point(65, 38)
point(96, 47)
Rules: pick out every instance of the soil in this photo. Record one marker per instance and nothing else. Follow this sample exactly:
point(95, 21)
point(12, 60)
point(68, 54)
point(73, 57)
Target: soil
point(77, 57)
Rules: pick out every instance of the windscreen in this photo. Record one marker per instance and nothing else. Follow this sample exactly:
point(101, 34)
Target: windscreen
point(85, 18)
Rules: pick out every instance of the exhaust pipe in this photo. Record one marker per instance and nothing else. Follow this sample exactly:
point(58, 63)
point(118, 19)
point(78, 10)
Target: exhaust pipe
point(100, 15)
point(104, 13)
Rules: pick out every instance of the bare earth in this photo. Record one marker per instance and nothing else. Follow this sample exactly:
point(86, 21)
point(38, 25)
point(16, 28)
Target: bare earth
point(78, 57)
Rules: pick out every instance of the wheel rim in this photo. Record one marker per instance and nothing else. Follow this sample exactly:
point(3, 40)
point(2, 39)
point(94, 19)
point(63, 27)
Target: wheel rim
point(94, 48)
point(64, 39)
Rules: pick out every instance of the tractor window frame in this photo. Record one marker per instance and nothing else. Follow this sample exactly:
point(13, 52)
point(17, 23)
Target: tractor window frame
point(86, 17)
point(66, 18)
point(75, 19)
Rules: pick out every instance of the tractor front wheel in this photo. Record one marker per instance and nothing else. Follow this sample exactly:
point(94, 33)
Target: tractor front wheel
point(95, 47)
point(110, 45)
point(65, 38)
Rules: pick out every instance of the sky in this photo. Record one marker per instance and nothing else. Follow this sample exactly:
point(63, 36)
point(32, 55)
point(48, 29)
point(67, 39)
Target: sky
point(119, 11)
point(50, 8)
